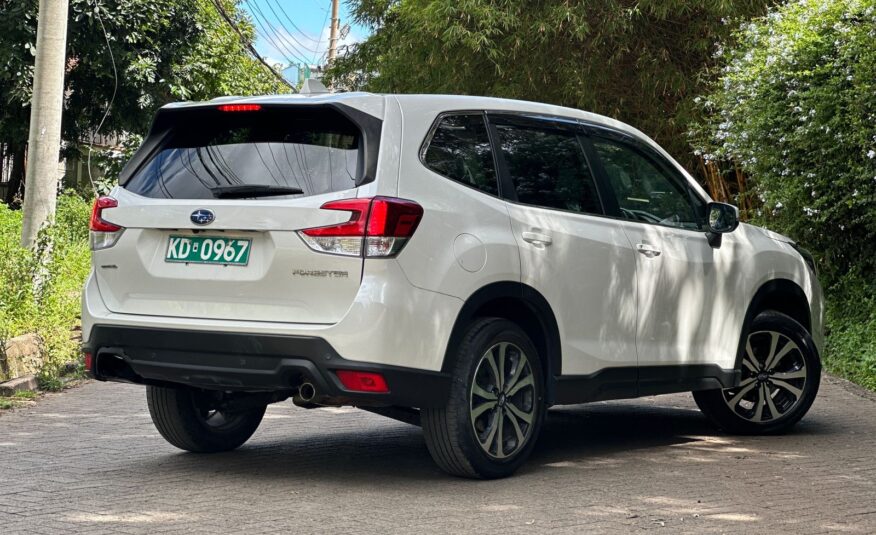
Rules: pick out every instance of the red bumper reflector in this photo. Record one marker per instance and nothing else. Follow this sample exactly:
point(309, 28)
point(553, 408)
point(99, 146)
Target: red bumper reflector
point(362, 381)
point(89, 362)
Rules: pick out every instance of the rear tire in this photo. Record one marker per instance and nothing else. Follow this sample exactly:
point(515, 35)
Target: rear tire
point(186, 419)
point(496, 406)
point(781, 373)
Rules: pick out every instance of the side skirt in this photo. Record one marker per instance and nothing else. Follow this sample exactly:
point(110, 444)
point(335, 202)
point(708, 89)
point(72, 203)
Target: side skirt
point(633, 382)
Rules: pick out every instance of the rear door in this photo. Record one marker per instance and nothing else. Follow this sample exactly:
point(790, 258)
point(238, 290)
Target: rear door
point(211, 215)
point(579, 260)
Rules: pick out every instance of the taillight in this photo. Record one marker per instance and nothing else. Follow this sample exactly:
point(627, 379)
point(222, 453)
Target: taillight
point(103, 233)
point(378, 227)
point(362, 381)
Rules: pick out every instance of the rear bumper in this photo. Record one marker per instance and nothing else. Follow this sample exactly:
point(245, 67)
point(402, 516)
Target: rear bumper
point(250, 362)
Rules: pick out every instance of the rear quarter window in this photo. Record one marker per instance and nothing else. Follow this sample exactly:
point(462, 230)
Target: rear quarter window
point(460, 150)
point(315, 150)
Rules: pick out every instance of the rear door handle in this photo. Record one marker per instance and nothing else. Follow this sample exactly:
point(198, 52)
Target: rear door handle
point(537, 238)
point(648, 250)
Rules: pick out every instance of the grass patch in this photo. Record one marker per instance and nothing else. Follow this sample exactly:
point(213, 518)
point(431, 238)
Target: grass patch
point(6, 403)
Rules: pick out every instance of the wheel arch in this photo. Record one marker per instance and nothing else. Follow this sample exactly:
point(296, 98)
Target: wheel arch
point(523, 305)
point(781, 295)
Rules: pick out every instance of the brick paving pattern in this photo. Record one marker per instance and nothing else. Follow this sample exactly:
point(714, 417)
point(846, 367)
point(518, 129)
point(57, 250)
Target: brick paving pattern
point(89, 461)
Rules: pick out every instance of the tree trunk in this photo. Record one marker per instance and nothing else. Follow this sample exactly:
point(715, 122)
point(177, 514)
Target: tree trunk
point(16, 176)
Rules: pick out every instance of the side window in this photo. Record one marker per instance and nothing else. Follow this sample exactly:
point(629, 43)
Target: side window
point(548, 168)
point(644, 191)
point(460, 150)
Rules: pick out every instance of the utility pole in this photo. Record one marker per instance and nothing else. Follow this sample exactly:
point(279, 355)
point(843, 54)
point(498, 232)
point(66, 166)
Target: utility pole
point(333, 33)
point(46, 106)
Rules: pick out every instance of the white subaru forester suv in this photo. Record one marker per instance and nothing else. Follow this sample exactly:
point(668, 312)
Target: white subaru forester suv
point(461, 263)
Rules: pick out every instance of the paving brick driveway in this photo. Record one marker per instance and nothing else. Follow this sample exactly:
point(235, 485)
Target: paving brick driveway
point(90, 461)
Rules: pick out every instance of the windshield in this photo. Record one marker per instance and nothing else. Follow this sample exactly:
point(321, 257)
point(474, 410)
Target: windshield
point(314, 151)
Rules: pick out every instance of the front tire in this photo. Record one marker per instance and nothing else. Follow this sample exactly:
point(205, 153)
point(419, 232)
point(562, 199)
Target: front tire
point(781, 373)
point(496, 406)
point(191, 420)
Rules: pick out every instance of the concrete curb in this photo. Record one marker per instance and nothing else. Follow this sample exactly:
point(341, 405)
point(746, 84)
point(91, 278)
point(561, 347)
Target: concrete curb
point(28, 383)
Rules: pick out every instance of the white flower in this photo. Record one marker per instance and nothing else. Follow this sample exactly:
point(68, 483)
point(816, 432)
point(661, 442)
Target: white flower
point(871, 154)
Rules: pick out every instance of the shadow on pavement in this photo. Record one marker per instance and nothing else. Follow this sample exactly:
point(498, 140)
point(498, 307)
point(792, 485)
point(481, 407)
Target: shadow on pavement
point(595, 434)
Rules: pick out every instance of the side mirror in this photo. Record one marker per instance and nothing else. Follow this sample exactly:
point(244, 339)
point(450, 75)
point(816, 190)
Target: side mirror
point(723, 218)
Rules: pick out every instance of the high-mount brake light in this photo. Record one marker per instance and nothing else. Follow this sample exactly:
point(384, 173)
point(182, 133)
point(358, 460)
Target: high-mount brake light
point(103, 234)
point(239, 107)
point(378, 227)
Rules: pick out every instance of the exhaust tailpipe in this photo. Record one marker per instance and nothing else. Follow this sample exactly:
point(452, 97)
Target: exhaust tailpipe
point(307, 392)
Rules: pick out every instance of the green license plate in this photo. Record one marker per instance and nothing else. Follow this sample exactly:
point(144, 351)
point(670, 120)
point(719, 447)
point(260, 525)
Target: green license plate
point(208, 250)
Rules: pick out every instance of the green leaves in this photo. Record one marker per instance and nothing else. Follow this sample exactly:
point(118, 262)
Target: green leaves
point(639, 64)
point(796, 106)
point(164, 50)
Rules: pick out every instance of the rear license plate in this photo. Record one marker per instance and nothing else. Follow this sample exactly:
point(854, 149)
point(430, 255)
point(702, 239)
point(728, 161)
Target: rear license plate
point(208, 250)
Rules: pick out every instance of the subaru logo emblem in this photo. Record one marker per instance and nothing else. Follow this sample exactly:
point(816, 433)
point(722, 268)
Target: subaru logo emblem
point(202, 217)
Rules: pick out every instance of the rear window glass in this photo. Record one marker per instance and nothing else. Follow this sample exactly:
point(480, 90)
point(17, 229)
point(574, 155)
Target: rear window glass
point(315, 150)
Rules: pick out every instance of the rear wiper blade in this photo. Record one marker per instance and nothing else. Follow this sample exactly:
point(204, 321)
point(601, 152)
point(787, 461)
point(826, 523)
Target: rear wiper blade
point(252, 190)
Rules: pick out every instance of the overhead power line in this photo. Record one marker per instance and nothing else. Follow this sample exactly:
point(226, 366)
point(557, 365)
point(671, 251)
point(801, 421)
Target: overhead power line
point(278, 40)
point(248, 45)
point(300, 31)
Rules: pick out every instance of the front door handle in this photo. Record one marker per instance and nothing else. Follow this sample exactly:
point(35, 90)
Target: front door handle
point(648, 250)
point(537, 238)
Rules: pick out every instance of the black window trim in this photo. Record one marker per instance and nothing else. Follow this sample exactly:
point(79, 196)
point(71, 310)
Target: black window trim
point(547, 122)
point(427, 141)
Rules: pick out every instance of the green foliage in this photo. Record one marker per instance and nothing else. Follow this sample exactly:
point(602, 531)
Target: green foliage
point(795, 104)
point(216, 64)
point(164, 50)
point(112, 161)
point(852, 350)
point(41, 290)
point(851, 320)
point(637, 61)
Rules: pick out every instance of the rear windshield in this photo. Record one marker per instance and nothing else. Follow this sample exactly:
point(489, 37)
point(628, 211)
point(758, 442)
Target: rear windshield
point(314, 150)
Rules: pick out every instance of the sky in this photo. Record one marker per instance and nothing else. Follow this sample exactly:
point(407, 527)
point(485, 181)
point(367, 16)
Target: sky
point(293, 32)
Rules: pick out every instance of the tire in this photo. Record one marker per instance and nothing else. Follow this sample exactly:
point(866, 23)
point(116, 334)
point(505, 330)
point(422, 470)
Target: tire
point(184, 419)
point(483, 431)
point(791, 380)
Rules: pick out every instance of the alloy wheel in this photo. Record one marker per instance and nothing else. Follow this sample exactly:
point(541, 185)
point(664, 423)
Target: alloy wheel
point(503, 401)
point(774, 376)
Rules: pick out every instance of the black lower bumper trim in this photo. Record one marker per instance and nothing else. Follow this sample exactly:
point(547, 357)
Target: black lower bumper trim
point(250, 362)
